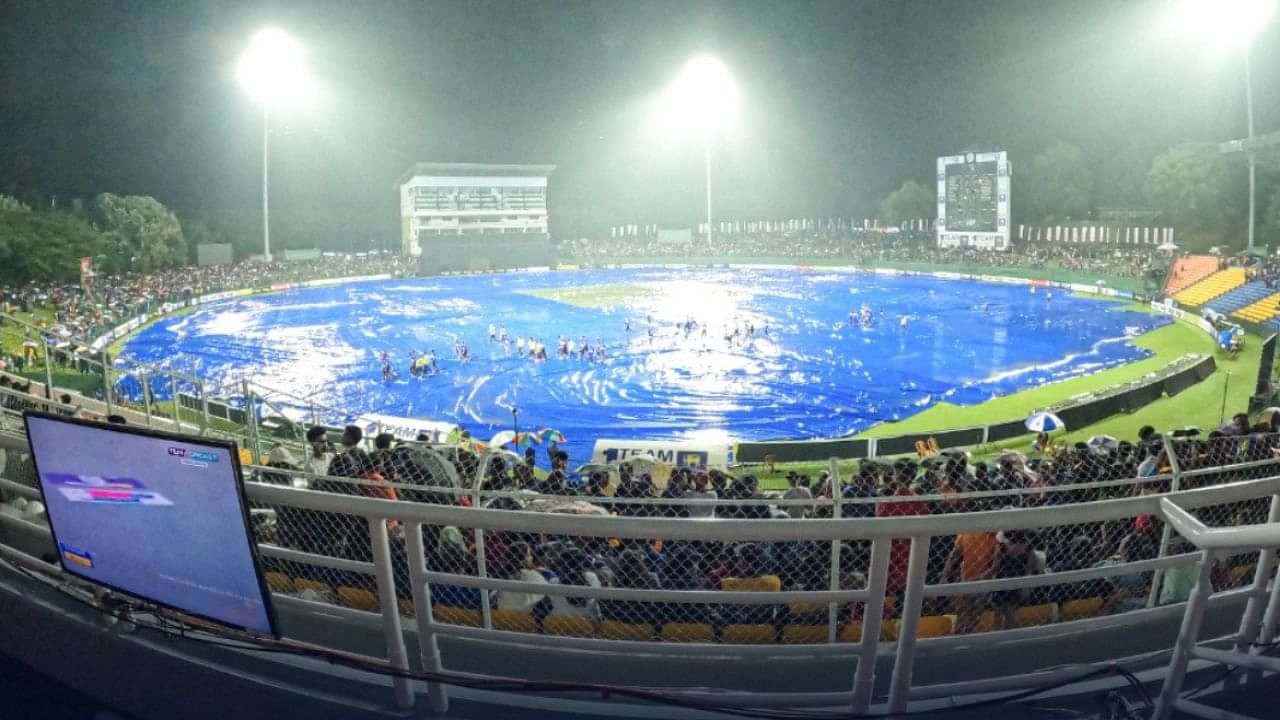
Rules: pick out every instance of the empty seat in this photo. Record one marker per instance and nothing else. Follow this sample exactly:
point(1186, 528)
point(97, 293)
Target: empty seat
point(513, 620)
point(749, 634)
point(851, 632)
point(1189, 270)
point(1081, 609)
point(612, 630)
point(279, 582)
point(935, 626)
point(450, 615)
point(1242, 574)
point(688, 632)
point(805, 634)
point(1030, 615)
point(406, 608)
point(569, 626)
point(357, 598)
point(1211, 287)
point(300, 584)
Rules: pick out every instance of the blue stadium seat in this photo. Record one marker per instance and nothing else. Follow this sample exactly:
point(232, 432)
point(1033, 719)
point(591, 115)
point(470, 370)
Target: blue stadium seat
point(1246, 294)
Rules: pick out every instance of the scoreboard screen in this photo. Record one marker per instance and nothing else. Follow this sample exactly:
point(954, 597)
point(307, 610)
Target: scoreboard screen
point(973, 200)
point(971, 197)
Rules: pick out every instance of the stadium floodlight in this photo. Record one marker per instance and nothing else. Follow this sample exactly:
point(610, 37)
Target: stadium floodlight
point(1227, 24)
point(702, 100)
point(273, 72)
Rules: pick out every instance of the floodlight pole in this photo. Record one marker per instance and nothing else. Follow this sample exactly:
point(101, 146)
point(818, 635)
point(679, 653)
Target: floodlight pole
point(706, 155)
point(1253, 159)
point(266, 210)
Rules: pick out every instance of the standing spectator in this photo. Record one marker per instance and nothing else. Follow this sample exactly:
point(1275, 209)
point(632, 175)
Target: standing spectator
point(899, 486)
point(320, 456)
point(797, 491)
point(974, 555)
point(701, 499)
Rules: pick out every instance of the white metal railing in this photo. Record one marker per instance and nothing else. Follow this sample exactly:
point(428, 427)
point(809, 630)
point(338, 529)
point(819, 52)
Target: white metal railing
point(409, 519)
point(1257, 625)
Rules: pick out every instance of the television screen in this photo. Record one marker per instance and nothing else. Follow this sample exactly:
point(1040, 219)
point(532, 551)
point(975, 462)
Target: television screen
point(158, 516)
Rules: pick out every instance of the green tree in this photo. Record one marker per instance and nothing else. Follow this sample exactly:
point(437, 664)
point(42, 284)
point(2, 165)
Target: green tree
point(44, 245)
point(1193, 185)
point(1057, 187)
point(1269, 224)
point(142, 234)
point(909, 202)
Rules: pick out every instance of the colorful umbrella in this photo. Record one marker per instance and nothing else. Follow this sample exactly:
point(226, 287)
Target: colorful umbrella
point(551, 435)
point(1044, 422)
point(526, 440)
point(502, 438)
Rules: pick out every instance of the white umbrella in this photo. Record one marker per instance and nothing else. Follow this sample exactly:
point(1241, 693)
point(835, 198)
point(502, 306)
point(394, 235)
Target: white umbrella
point(1103, 443)
point(502, 438)
point(1167, 246)
point(1044, 422)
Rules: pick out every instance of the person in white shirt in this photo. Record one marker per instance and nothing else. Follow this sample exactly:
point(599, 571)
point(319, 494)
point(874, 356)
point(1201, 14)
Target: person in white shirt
point(571, 565)
point(519, 566)
point(319, 456)
point(703, 499)
point(798, 491)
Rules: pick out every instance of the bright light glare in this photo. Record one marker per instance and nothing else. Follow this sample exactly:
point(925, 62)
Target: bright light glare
point(1223, 23)
point(703, 99)
point(272, 70)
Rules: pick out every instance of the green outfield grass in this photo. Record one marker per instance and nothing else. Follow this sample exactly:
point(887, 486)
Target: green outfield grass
point(602, 296)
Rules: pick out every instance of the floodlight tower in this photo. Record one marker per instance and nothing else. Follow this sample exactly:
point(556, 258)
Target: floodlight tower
point(1231, 24)
point(273, 73)
point(703, 100)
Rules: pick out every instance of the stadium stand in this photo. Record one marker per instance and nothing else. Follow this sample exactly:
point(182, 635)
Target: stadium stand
point(1260, 311)
point(1189, 270)
point(1247, 294)
point(1211, 287)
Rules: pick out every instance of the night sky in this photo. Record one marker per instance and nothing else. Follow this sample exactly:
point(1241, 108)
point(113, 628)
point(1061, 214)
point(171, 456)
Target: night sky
point(843, 101)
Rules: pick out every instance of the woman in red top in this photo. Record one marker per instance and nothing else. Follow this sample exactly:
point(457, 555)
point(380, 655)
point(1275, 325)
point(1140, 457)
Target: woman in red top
point(899, 485)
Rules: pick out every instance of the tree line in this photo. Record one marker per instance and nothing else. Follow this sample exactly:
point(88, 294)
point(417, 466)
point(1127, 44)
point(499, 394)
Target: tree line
point(1195, 189)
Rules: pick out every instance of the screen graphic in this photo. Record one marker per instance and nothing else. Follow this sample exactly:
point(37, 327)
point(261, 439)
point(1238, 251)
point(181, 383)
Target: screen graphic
point(159, 517)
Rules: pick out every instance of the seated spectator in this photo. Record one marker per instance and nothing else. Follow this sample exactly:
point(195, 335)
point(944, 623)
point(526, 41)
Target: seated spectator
point(1015, 556)
point(749, 573)
point(632, 571)
point(517, 564)
point(797, 491)
point(571, 566)
point(701, 499)
point(685, 569)
point(453, 556)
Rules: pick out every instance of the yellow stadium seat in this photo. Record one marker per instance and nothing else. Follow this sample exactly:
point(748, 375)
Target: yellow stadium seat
point(406, 608)
point(888, 630)
point(1261, 310)
point(279, 582)
point(1081, 609)
point(1030, 615)
point(986, 622)
point(749, 634)
point(300, 584)
point(513, 620)
point(805, 634)
point(357, 598)
point(1211, 287)
point(851, 632)
point(612, 630)
point(688, 632)
point(450, 615)
point(935, 626)
point(569, 626)
point(1242, 574)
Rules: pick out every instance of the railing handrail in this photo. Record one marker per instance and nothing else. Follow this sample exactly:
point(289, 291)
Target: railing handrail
point(1260, 535)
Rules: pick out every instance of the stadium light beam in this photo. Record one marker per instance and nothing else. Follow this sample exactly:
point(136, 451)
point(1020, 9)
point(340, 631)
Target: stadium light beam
point(703, 100)
point(273, 72)
point(1225, 25)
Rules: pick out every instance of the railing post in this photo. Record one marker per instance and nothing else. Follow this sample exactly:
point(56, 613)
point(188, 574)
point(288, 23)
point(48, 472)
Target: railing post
point(833, 609)
point(482, 562)
point(173, 395)
point(872, 611)
point(315, 419)
point(1188, 635)
point(428, 648)
point(1251, 623)
point(1175, 484)
point(385, 577)
point(146, 394)
point(904, 658)
point(48, 368)
point(251, 417)
point(204, 407)
point(106, 379)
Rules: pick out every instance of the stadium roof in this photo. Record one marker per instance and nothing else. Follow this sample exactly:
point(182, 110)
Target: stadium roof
point(473, 169)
